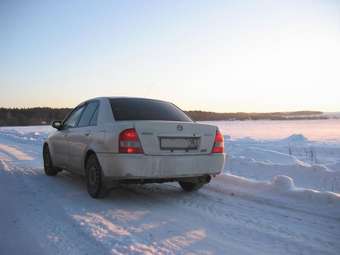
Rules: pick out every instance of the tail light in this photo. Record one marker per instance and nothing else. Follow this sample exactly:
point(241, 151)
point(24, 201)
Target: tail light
point(218, 143)
point(129, 142)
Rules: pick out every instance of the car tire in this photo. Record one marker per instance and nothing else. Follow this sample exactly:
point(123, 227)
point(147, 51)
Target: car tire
point(190, 186)
point(94, 178)
point(49, 169)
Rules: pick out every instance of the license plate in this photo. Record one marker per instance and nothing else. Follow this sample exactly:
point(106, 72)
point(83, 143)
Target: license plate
point(187, 143)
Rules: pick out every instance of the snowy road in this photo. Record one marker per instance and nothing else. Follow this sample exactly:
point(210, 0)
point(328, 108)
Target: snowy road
point(54, 215)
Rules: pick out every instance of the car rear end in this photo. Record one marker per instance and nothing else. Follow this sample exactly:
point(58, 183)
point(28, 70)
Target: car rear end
point(154, 141)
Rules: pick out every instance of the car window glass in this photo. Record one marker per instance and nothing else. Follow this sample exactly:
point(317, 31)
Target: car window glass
point(72, 120)
point(93, 121)
point(88, 114)
point(146, 109)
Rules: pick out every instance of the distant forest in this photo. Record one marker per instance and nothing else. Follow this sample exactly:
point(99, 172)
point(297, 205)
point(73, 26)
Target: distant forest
point(31, 116)
point(45, 115)
point(298, 115)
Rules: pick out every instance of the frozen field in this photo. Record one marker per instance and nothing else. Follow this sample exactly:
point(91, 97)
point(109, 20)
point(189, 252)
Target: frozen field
point(279, 194)
point(315, 130)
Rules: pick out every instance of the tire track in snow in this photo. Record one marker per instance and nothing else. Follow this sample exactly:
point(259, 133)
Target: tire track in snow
point(3, 162)
point(14, 152)
point(37, 206)
point(14, 159)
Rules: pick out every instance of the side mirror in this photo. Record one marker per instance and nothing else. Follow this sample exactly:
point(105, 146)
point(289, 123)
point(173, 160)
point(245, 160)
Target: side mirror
point(57, 124)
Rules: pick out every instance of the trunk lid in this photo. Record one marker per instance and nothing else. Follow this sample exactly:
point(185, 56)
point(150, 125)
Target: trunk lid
point(175, 138)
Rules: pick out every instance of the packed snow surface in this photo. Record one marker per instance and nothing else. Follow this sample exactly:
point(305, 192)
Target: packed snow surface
point(276, 196)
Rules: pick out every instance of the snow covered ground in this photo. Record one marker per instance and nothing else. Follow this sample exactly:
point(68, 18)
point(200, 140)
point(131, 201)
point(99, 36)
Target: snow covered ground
point(276, 196)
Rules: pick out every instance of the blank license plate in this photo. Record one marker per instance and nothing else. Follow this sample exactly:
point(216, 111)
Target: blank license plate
point(188, 143)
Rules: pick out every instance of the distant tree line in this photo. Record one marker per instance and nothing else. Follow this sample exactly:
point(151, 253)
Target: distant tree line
point(31, 116)
point(45, 115)
point(201, 115)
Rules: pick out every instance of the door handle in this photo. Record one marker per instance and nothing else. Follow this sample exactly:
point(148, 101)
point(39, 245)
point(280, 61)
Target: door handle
point(87, 134)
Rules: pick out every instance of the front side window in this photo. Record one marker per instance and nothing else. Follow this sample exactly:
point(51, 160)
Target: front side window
point(72, 120)
point(146, 109)
point(88, 114)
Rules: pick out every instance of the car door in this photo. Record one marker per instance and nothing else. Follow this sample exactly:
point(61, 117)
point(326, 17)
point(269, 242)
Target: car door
point(58, 143)
point(61, 142)
point(79, 137)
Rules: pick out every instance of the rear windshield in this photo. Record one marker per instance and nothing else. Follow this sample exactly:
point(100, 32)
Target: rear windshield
point(146, 109)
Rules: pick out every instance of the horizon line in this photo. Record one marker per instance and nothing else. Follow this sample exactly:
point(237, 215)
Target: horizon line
point(191, 110)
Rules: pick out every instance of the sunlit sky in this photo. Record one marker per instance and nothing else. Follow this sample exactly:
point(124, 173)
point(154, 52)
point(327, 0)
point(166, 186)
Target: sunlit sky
point(223, 56)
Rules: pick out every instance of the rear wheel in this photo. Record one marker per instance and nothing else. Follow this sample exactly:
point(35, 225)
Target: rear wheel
point(94, 178)
point(191, 186)
point(50, 170)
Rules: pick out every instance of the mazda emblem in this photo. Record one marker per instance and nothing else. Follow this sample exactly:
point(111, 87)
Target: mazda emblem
point(179, 127)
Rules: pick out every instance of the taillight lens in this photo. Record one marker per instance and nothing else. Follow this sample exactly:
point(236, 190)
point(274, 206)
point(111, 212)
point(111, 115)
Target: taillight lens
point(129, 142)
point(218, 143)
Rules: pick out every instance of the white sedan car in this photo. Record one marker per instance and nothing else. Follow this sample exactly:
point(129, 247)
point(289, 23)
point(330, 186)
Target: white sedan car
point(133, 140)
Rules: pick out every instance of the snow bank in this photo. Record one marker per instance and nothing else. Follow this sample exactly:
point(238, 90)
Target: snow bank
point(295, 138)
point(313, 165)
point(281, 190)
point(315, 176)
point(268, 156)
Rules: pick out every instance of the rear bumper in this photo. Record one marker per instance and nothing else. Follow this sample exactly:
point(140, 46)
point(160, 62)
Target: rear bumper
point(124, 166)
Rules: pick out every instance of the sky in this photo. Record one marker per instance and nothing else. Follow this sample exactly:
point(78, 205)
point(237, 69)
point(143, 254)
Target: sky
point(224, 56)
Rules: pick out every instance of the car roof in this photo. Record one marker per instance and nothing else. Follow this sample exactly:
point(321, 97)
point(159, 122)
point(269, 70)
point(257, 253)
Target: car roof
point(124, 97)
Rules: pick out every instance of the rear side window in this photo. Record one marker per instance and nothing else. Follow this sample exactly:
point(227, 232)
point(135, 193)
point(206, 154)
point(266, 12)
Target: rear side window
point(146, 109)
point(93, 121)
point(88, 114)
